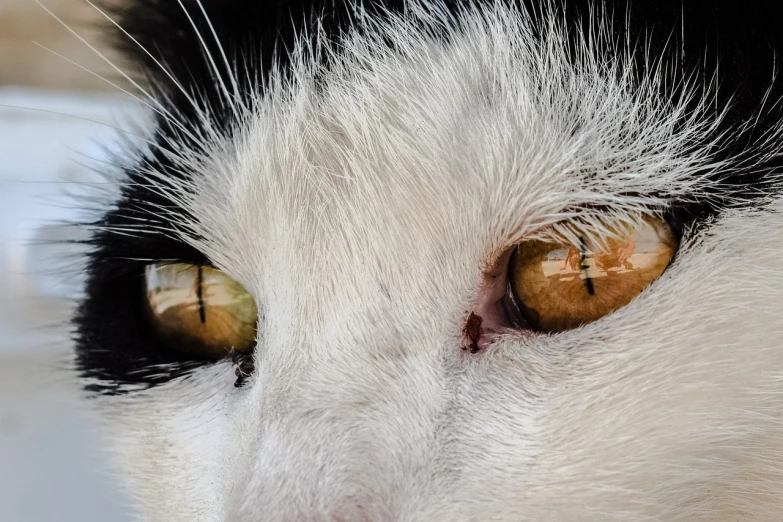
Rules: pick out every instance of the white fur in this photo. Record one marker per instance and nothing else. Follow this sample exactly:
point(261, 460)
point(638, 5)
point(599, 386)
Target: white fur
point(361, 216)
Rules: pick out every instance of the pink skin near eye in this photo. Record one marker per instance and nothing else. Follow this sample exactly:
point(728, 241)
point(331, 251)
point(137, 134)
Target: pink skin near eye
point(488, 317)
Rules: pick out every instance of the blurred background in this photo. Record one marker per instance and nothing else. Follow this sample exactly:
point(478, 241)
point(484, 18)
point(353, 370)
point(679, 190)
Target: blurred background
point(52, 466)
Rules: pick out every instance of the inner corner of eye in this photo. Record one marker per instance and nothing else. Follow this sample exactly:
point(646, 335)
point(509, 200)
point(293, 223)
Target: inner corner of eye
point(199, 310)
point(574, 279)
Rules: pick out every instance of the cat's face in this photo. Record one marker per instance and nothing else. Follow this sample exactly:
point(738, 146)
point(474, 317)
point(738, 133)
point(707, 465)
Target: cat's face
point(367, 196)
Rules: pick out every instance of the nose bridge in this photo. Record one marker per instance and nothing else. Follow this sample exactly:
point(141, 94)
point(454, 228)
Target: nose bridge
point(367, 335)
point(350, 383)
point(371, 329)
point(356, 341)
point(354, 422)
point(362, 291)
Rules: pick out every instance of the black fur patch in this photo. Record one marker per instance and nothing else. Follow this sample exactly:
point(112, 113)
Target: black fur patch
point(734, 43)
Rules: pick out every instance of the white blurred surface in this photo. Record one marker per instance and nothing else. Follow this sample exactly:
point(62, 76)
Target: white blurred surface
point(52, 467)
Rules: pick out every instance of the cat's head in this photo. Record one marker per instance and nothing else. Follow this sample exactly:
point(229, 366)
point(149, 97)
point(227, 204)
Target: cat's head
point(445, 261)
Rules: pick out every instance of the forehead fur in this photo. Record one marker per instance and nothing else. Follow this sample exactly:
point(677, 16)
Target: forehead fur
point(495, 121)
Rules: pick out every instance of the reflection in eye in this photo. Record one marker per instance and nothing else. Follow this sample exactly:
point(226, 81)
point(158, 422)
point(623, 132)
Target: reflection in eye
point(559, 286)
point(200, 310)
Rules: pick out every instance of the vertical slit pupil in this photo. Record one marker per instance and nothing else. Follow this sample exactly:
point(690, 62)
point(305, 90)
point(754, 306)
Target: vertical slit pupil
point(584, 266)
point(200, 295)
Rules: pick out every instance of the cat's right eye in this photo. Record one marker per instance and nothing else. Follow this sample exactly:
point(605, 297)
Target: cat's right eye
point(200, 310)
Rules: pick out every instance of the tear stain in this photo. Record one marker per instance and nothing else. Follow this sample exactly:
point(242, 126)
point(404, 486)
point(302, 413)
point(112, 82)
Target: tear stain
point(473, 331)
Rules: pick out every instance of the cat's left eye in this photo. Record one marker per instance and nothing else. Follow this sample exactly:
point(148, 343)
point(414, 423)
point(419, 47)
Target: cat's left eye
point(556, 286)
point(200, 310)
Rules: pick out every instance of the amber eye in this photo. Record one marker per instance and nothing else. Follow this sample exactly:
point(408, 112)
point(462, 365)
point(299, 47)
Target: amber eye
point(200, 310)
point(558, 285)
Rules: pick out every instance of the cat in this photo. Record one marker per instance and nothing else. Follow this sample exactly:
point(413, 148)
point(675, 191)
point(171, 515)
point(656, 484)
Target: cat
point(444, 260)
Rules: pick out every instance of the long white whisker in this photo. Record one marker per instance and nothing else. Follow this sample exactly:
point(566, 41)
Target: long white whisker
point(215, 69)
point(94, 50)
point(162, 68)
point(231, 75)
point(125, 91)
point(165, 113)
point(158, 146)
